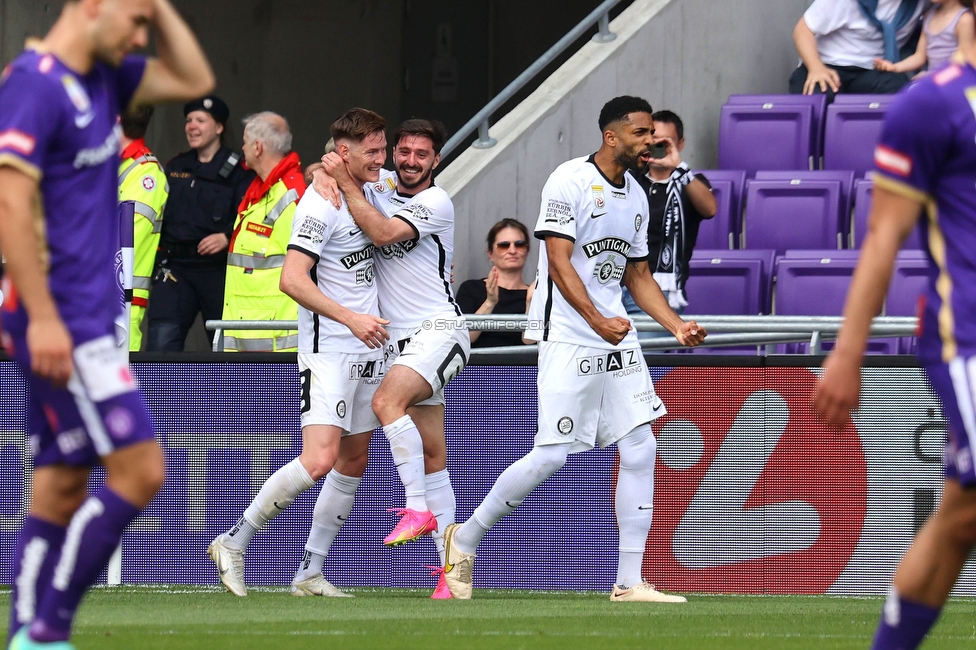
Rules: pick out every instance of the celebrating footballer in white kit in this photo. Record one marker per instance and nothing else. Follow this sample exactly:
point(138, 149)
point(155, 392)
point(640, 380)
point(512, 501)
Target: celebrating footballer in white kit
point(411, 221)
point(593, 384)
point(329, 272)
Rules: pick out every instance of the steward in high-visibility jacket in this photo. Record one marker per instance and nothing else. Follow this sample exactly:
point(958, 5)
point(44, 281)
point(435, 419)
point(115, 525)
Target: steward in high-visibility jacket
point(143, 181)
point(257, 253)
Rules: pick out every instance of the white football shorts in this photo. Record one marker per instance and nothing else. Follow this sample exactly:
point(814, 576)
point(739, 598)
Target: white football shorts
point(592, 396)
point(337, 389)
point(437, 353)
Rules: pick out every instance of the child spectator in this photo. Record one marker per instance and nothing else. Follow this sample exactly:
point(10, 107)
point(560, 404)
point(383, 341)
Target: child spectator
point(949, 26)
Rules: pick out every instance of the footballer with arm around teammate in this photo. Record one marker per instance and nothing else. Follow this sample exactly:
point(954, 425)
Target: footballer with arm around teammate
point(59, 105)
point(411, 220)
point(328, 271)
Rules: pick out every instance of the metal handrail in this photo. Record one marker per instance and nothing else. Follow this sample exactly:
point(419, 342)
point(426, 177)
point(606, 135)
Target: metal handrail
point(723, 330)
point(600, 16)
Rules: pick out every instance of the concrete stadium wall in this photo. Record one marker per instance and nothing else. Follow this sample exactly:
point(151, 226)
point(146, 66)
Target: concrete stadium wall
point(684, 55)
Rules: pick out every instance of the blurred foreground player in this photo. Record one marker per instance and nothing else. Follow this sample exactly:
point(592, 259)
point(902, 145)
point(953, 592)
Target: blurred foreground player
point(59, 231)
point(926, 163)
point(594, 387)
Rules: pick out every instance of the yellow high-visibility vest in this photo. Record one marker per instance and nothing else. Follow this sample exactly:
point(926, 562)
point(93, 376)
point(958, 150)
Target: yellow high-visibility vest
point(143, 181)
point(254, 261)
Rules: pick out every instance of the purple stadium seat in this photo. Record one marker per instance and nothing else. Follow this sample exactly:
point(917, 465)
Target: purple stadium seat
point(820, 254)
point(782, 215)
point(735, 283)
point(851, 133)
point(863, 100)
point(753, 137)
point(812, 287)
point(717, 231)
point(737, 180)
point(817, 102)
point(845, 177)
point(862, 208)
point(908, 282)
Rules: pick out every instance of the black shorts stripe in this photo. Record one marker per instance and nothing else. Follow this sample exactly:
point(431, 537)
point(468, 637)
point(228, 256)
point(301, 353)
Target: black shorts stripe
point(545, 325)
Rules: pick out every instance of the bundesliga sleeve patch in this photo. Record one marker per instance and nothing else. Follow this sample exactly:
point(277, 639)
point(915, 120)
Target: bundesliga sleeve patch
point(18, 141)
point(893, 161)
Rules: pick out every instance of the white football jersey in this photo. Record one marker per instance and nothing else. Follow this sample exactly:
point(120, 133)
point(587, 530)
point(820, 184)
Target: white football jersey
point(609, 226)
point(343, 271)
point(414, 276)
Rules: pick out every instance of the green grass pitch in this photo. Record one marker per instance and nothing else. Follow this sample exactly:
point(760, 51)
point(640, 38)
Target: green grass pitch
point(188, 618)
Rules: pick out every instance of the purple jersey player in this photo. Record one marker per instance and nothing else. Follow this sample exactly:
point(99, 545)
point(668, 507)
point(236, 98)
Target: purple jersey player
point(926, 166)
point(59, 231)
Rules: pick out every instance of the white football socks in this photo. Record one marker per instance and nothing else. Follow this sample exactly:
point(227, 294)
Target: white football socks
point(407, 449)
point(275, 495)
point(508, 492)
point(332, 508)
point(634, 501)
point(441, 501)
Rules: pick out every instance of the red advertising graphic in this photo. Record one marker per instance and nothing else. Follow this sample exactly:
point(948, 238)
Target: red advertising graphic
point(753, 493)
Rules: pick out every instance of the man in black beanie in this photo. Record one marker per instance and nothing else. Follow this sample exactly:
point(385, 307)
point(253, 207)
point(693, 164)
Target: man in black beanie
point(206, 184)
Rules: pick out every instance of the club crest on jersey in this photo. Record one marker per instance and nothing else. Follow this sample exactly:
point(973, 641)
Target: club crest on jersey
point(638, 221)
point(76, 93)
point(607, 269)
point(560, 212)
point(365, 275)
point(598, 199)
point(352, 259)
point(398, 250)
point(565, 425)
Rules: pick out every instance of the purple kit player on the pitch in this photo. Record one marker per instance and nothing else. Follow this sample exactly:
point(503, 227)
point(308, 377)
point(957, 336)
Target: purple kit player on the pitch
point(926, 167)
point(59, 232)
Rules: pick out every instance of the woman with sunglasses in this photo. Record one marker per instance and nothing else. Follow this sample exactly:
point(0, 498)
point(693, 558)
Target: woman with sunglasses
point(503, 291)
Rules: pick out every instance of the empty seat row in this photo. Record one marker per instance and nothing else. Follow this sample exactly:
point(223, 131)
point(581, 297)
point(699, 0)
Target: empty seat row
point(796, 132)
point(797, 283)
point(788, 210)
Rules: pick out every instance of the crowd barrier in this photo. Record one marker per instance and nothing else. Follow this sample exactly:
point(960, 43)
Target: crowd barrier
point(753, 494)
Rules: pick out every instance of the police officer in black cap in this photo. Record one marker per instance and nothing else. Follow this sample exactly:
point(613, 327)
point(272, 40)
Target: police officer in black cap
point(206, 185)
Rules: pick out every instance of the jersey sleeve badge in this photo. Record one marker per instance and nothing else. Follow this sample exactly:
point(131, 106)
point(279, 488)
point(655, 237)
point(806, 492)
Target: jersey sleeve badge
point(598, 198)
point(893, 161)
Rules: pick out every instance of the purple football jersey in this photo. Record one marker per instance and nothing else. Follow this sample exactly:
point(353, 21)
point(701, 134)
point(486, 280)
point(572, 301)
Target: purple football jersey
point(928, 152)
point(61, 128)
